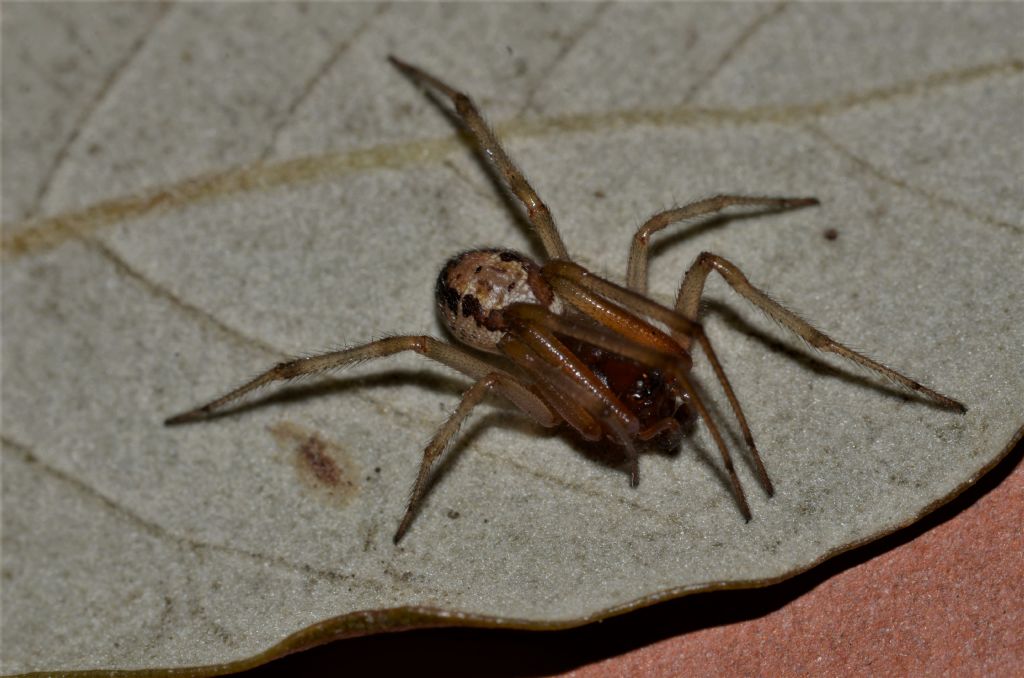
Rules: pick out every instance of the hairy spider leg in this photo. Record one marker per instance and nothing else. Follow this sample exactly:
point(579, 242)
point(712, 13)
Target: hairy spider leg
point(670, 363)
point(616, 423)
point(547, 381)
point(668, 426)
point(454, 357)
point(572, 281)
point(489, 147)
point(636, 269)
point(562, 370)
point(688, 304)
point(493, 381)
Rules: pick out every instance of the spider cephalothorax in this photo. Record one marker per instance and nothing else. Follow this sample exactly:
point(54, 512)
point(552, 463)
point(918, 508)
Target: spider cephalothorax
point(576, 348)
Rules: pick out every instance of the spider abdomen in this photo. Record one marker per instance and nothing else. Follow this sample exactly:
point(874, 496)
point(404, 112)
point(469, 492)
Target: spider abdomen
point(475, 287)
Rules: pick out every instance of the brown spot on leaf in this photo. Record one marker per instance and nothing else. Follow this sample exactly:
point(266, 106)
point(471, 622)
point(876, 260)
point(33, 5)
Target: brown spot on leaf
point(321, 465)
point(313, 452)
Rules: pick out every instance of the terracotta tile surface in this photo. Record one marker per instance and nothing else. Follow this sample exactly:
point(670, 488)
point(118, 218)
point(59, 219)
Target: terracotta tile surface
point(943, 597)
point(949, 602)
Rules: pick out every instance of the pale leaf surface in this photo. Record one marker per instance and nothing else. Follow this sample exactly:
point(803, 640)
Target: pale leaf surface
point(193, 192)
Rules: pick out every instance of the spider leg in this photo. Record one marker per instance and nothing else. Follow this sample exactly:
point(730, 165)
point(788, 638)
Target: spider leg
point(497, 381)
point(444, 353)
point(563, 373)
point(572, 281)
point(555, 388)
point(636, 269)
point(490, 148)
point(675, 364)
point(688, 304)
point(667, 425)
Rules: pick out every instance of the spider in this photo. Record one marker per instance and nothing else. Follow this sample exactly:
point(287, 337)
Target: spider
point(575, 347)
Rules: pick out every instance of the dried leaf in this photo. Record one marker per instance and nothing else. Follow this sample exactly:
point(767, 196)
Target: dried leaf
point(193, 192)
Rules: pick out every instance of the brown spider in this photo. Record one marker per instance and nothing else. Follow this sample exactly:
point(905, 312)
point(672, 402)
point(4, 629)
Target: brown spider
point(603, 358)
